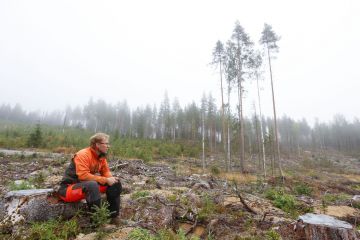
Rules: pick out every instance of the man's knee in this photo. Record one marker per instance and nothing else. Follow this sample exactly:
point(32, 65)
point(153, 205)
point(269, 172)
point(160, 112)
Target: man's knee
point(90, 186)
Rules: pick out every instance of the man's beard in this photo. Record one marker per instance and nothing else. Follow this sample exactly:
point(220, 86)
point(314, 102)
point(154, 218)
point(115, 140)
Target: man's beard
point(102, 154)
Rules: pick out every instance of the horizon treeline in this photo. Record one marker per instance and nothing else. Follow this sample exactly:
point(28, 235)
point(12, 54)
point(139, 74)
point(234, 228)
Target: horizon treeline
point(172, 122)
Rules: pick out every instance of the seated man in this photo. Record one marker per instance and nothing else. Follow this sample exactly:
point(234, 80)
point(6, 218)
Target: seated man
point(88, 175)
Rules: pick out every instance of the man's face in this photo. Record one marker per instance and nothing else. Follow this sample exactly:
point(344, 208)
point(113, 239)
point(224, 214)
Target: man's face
point(103, 146)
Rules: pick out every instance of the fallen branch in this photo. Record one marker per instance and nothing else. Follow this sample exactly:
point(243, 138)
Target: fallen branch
point(167, 204)
point(242, 199)
point(264, 216)
point(118, 165)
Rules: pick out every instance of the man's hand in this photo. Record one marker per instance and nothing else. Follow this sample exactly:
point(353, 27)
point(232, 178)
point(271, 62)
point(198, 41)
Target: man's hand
point(111, 180)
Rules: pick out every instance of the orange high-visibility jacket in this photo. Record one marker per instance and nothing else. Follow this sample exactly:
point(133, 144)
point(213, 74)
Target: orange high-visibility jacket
point(87, 166)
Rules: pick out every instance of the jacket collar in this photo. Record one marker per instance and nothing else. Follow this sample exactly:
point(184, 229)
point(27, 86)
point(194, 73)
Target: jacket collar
point(95, 154)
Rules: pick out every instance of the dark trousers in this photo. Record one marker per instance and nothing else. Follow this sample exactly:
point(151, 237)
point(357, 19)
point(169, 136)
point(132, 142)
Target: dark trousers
point(90, 190)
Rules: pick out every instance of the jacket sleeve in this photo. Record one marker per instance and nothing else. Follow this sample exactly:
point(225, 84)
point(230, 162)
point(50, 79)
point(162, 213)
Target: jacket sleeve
point(105, 170)
point(82, 163)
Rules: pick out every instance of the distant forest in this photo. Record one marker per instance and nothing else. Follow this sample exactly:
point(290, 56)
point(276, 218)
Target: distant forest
point(172, 122)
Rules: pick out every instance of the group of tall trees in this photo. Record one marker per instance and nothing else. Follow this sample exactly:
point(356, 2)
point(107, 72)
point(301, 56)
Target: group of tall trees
point(237, 61)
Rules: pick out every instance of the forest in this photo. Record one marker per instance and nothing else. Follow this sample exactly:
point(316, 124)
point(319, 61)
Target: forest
point(172, 123)
point(221, 129)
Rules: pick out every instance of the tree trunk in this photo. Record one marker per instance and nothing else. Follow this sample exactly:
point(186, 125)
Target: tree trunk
point(203, 142)
point(228, 132)
point(223, 136)
point(323, 227)
point(277, 145)
point(241, 121)
point(34, 205)
point(261, 129)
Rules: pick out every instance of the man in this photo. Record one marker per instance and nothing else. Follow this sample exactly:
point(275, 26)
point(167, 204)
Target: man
point(88, 175)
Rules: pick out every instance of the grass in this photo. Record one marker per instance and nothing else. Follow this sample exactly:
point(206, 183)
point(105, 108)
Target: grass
point(54, 139)
point(54, 230)
point(334, 198)
point(22, 185)
point(272, 235)
point(163, 234)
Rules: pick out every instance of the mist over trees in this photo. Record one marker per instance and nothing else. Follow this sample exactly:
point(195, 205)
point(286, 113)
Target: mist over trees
point(172, 122)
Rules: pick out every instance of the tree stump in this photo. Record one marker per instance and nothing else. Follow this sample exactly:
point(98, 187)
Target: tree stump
point(323, 227)
point(33, 205)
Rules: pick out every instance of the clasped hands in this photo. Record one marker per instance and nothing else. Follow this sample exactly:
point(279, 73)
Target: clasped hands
point(112, 180)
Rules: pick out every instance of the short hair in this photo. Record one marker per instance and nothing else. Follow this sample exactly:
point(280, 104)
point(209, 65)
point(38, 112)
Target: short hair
point(98, 137)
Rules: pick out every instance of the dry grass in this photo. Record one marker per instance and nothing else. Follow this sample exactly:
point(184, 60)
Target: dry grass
point(351, 177)
point(238, 177)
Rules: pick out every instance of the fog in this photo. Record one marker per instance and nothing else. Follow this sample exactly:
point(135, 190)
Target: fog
point(59, 53)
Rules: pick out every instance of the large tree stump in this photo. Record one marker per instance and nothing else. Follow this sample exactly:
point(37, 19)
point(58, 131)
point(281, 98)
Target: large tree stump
point(324, 227)
point(33, 205)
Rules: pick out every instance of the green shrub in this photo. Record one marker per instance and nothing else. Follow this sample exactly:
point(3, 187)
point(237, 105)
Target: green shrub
point(70, 229)
point(180, 235)
point(140, 234)
point(272, 193)
point(303, 189)
point(272, 235)
point(54, 230)
point(355, 187)
point(100, 215)
point(38, 179)
point(172, 198)
point(334, 198)
point(140, 194)
point(282, 200)
point(249, 223)
point(44, 231)
point(36, 137)
point(215, 170)
point(285, 202)
point(207, 208)
point(167, 234)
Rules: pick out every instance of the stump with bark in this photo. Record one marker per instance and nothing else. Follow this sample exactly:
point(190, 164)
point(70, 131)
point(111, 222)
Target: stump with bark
point(34, 205)
point(323, 227)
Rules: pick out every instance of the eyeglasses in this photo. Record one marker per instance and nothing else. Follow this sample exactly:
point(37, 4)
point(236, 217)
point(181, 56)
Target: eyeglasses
point(105, 143)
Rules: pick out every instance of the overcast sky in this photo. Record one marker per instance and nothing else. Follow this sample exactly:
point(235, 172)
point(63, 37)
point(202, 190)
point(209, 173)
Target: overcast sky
point(59, 53)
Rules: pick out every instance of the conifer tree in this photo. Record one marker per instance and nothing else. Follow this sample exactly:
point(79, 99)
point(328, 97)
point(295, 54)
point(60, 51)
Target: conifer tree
point(269, 39)
point(243, 47)
point(35, 139)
